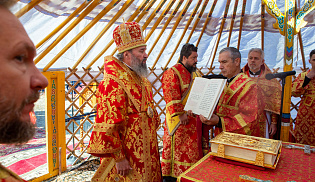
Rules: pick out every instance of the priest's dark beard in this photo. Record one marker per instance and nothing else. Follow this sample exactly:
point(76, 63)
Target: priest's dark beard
point(12, 129)
point(191, 68)
point(138, 66)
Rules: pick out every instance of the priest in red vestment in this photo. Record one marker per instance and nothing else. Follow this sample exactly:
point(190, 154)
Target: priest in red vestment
point(183, 141)
point(304, 86)
point(124, 134)
point(256, 69)
point(241, 106)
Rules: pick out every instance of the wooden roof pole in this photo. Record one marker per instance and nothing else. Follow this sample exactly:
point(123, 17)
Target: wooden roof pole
point(221, 30)
point(203, 7)
point(302, 49)
point(155, 12)
point(164, 27)
point(262, 26)
point(112, 41)
point(183, 34)
point(207, 21)
point(27, 7)
point(111, 5)
point(100, 54)
point(108, 25)
point(232, 23)
point(146, 10)
point(67, 30)
point(241, 24)
point(70, 17)
point(179, 18)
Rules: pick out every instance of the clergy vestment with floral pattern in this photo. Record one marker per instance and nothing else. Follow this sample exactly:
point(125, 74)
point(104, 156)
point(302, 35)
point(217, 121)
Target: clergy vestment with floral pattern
point(304, 130)
point(125, 126)
point(271, 92)
point(185, 146)
point(241, 107)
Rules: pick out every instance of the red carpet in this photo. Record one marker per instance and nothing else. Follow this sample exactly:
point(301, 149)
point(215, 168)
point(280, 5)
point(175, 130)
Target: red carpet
point(38, 140)
point(28, 160)
point(26, 165)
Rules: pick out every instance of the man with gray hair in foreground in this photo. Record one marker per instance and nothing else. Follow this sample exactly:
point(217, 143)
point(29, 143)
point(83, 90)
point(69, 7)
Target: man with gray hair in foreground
point(20, 84)
point(240, 107)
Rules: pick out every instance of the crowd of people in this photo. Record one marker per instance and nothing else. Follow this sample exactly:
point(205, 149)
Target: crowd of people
point(124, 134)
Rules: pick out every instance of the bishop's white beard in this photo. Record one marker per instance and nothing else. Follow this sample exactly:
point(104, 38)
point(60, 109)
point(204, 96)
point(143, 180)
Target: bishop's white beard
point(140, 67)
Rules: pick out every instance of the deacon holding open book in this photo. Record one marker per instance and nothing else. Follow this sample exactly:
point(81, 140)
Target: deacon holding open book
point(182, 140)
point(241, 106)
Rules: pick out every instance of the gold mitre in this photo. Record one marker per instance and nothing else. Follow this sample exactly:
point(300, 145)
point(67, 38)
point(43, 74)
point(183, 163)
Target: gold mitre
point(128, 35)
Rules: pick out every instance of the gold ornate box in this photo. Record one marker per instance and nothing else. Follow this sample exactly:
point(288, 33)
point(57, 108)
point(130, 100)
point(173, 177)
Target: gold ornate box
point(248, 149)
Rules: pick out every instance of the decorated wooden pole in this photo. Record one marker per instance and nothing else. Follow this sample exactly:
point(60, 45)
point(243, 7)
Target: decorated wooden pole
point(288, 25)
point(289, 28)
point(55, 124)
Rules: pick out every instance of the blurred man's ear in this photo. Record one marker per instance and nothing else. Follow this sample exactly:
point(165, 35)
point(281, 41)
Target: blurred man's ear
point(184, 60)
point(125, 54)
point(237, 61)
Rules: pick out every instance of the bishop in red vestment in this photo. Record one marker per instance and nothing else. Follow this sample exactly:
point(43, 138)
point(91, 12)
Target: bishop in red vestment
point(124, 133)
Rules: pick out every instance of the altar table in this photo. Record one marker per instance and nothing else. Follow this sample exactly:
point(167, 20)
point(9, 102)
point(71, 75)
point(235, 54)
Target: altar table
point(294, 165)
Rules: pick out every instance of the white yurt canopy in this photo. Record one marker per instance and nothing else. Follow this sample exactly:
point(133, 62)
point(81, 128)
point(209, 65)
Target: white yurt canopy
point(48, 15)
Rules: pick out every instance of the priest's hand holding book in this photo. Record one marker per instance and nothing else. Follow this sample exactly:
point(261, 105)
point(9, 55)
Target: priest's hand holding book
point(214, 120)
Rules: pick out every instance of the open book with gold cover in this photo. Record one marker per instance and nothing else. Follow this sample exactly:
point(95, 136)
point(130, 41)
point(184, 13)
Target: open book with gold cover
point(248, 149)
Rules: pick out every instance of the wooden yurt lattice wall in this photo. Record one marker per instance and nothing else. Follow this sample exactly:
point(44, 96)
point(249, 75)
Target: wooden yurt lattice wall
point(82, 36)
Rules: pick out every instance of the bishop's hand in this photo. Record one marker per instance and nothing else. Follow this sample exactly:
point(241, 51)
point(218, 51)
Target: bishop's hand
point(123, 167)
